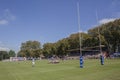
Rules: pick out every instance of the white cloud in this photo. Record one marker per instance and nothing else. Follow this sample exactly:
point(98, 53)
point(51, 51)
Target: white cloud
point(7, 17)
point(106, 20)
point(0, 42)
point(4, 49)
point(81, 31)
point(3, 22)
point(85, 31)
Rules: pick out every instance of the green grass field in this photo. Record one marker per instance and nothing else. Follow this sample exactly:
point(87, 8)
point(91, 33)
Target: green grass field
point(66, 70)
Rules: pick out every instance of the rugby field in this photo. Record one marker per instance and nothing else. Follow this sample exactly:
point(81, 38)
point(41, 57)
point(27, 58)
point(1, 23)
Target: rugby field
point(65, 70)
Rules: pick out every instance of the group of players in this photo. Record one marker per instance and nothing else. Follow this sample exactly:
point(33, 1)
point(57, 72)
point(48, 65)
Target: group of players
point(81, 61)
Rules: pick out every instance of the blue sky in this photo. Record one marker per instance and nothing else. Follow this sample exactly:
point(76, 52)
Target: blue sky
point(50, 20)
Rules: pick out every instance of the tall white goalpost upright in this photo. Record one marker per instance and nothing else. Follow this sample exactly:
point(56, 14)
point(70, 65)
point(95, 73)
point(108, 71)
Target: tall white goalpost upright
point(101, 55)
point(80, 36)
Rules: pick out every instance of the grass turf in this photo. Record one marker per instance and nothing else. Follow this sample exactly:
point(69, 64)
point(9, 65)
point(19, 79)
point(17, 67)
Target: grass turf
point(65, 70)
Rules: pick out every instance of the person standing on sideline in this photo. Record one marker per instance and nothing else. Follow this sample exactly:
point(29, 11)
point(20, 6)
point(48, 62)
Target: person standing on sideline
point(33, 62)
point(102, 59)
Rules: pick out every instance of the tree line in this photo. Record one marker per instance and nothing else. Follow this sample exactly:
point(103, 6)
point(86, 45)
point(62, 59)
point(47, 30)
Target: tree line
point(7, 54)
point(108, 33)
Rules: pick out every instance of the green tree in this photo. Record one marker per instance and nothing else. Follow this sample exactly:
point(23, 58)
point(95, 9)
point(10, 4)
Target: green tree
point(4, 55)
point(11, 53)
point(49, 49)
point(62, 47)
point(109, 35)
point(73, 41)
point(29, 49)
